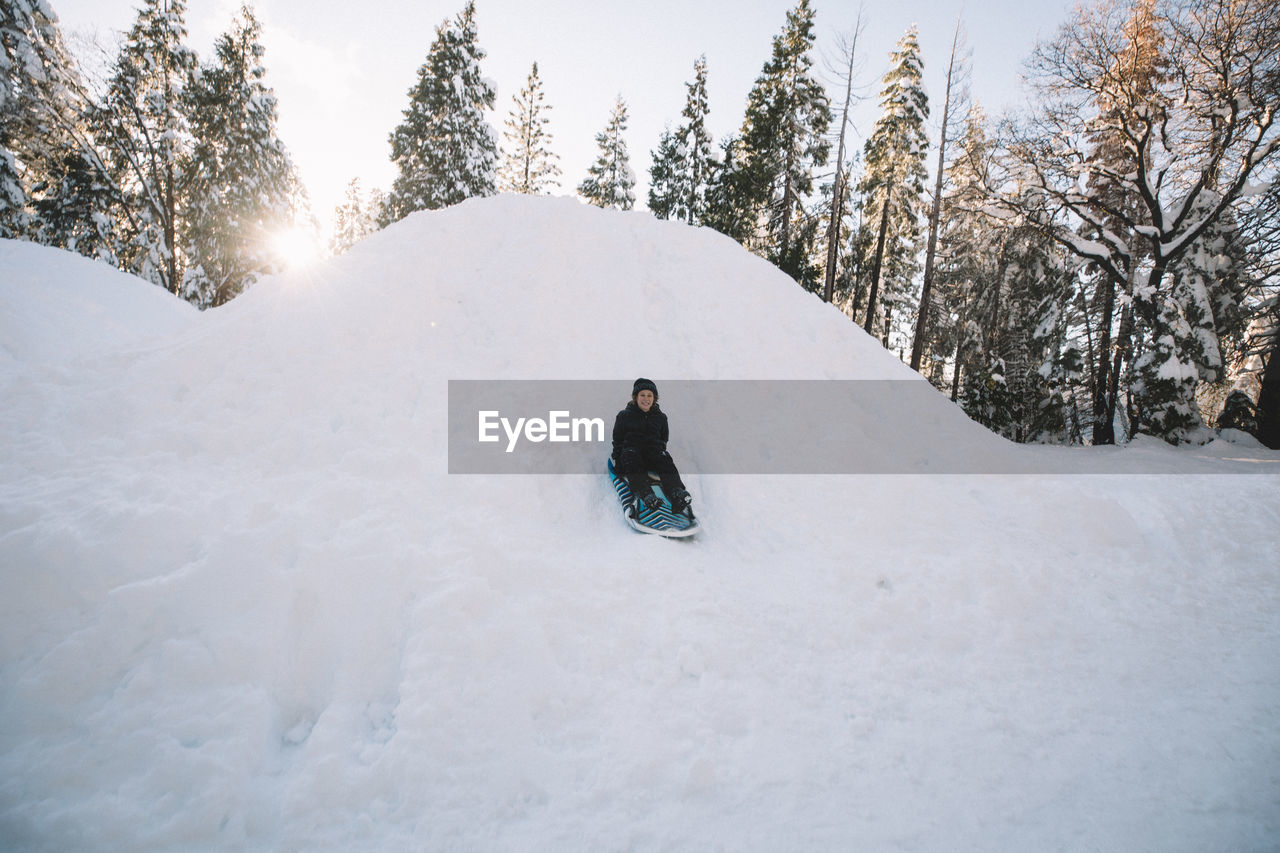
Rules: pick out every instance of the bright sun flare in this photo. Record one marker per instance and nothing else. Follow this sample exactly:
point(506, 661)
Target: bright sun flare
point(296, 247)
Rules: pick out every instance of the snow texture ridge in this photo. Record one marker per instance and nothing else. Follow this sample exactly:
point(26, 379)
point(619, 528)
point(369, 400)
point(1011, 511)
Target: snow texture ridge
point(243, 607)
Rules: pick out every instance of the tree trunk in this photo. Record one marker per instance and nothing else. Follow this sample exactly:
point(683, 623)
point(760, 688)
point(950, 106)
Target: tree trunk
point(955, 378)
point(879, 257)
point(784, 247)
point(837, 190)
point(922, 320)
point(170, 203)
point(833, 228)
point(1124, 342)
point(1269, 399)
point(170, 232)
point(1103, 409)
point(1090, 360)
point(1122, 347)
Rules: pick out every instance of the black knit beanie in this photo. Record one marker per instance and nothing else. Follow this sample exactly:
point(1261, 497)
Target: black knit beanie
point(641, 385)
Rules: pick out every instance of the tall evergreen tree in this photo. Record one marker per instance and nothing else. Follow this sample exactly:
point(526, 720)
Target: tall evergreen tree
point(75, 206)
point(1011, 292)
point(783, 142)
point(29, 70)
point(666, 175)
point(1254, 361)
point(728, 194)
point(893, 185)
point(839, 267)
point(683, 164)
point(354, 219)
point(144, 129)
point(529, 165)
point(52, 182)
point(1190, 323)
point(924, 317)
point(610, 181)
point(1268, 409)
point(14, 219)
point(445, 149)
point(1018, 361)
point(239, 180)
point(968, 240)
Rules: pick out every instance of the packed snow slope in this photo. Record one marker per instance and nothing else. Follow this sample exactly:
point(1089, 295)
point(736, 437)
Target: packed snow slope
point(244, 607)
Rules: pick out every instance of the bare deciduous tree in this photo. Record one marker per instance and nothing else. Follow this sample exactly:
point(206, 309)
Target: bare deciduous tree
point(957, 79)
point(1193, 126)
point(849, 52)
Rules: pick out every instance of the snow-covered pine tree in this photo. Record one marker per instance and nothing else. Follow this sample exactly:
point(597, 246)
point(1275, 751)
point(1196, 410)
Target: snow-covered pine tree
point(1255, 365)
point(1042, 360)
point(28, 73)
point(52, 187)
point(965, 264)
point(354, 219)
point(1238, 412)
point(14, 219)
point(838, 270)
point(892, 189)
point(1268, 408)
point(240, 182)
point(666, 175)
point(1018, 360)
point(445, 149)
point(728, 194)
point(683, 164)
point(1172, 335)
point(74, 205)
point(970, 279)
point(144, 128)
point(783, 142)
point(610, 181)
point(1185, 95)
point(955, 93)
point(529, 165)
point(1009, 289)
point(1193, 317)
point(803, 259)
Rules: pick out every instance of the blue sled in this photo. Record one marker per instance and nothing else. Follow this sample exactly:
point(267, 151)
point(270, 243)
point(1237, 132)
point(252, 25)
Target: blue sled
point(661, 520)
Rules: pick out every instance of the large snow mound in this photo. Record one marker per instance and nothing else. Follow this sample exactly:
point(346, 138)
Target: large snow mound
point(534, 288)
point(243, 605)
point(57, 306)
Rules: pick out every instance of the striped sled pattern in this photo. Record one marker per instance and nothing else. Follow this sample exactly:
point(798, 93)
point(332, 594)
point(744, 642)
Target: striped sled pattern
point(661, 520)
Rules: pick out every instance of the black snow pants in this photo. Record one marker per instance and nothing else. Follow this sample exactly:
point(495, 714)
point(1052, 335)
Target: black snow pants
point(634, 464)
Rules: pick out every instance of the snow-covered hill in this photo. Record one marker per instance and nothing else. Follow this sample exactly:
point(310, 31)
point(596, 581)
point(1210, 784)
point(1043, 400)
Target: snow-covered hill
point(243, 605)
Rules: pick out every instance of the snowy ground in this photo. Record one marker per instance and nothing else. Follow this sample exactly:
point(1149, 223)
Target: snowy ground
point(242, 605)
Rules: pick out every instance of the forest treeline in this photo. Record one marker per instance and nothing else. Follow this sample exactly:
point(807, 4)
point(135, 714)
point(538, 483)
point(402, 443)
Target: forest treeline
point(1101, 264)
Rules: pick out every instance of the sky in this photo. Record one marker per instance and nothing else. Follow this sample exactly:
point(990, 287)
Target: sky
point(341, 71)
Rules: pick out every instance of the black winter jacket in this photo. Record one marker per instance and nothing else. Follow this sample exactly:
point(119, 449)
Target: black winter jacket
point(637, 429)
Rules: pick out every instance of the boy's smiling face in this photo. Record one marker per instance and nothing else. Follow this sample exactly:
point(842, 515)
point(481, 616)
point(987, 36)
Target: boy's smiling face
point(645, 400)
